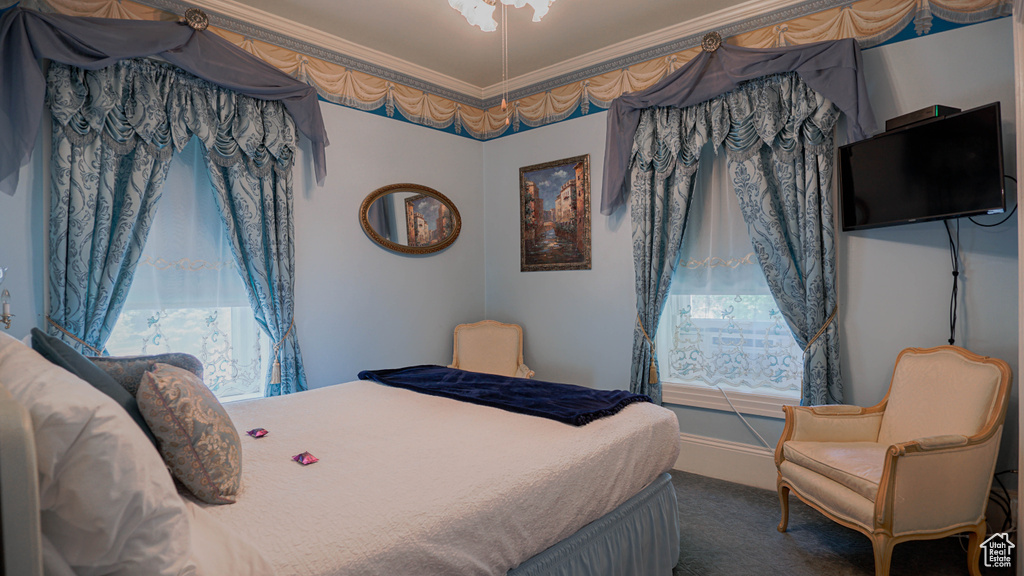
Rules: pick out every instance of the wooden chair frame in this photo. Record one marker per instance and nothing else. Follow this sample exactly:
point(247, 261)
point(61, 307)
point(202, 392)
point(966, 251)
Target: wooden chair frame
point(881, 533)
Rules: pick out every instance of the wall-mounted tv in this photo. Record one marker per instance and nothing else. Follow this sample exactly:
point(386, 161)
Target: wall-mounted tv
point(941, 168)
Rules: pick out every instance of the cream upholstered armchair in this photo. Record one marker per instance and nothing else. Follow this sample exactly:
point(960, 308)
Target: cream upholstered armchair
point(918, 465)
point(490, 347)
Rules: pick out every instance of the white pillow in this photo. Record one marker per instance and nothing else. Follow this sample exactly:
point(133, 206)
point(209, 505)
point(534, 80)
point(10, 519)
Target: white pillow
point(108, 504)
point(217, 550)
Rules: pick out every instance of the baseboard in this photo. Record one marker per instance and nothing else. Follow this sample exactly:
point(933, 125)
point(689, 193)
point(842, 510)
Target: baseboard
point(732, 461)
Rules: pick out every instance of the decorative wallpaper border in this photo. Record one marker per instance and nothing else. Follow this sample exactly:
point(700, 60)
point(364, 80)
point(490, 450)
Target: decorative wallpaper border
point(355, 83)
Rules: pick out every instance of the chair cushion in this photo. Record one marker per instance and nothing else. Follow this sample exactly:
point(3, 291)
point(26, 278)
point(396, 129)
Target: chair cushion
point(855, 465)
point(937, 394)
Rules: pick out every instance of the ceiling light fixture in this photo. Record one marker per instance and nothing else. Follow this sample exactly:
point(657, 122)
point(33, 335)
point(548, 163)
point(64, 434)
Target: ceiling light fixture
point(481, 12)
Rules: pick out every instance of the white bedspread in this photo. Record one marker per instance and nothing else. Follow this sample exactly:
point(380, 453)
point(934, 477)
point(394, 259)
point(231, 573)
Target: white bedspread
point(409, 484)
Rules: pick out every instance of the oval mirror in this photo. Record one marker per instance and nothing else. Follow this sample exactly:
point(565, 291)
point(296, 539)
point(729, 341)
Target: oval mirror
point(410, 218)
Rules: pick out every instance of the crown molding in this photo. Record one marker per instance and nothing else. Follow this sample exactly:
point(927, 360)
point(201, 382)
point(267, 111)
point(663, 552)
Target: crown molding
point(743, 17)
point(262, 25)
point(267, 27)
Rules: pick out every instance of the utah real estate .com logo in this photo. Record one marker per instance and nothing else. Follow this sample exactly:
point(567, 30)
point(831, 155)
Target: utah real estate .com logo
point(997, 551)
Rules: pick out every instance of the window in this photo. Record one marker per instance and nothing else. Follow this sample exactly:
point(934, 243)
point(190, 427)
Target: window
point(721, 331)
point(187, 295)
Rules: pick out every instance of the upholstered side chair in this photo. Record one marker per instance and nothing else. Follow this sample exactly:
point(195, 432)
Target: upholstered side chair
point(918, 465)
point(490, 347)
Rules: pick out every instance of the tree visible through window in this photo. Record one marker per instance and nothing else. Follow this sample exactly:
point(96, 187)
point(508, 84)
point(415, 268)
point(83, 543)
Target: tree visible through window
point(187, 295)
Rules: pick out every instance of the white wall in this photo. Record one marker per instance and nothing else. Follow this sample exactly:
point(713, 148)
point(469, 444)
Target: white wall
point(894, 283)
point(359, 306)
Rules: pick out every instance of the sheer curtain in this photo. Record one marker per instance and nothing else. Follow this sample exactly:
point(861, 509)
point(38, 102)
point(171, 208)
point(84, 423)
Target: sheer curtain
point(187, 295)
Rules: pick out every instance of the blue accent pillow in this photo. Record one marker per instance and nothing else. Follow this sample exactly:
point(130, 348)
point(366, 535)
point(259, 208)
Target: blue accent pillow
point(59, 353)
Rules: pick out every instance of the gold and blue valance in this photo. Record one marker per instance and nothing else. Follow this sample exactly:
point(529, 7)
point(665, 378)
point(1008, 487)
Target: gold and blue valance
point(27, 36)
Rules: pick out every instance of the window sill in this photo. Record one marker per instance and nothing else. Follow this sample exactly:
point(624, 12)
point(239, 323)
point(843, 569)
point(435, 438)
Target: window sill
point(239, 397)
point(682, 394)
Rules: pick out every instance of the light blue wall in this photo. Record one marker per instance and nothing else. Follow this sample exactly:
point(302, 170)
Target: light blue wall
point(903, 273)
point(22, 229)
point(894, 283)
point(358, 305)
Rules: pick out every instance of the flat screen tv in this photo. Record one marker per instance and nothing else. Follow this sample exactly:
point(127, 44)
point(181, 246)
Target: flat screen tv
point(942, 168)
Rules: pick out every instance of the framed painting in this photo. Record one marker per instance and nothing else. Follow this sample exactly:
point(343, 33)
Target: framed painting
point(554, 215)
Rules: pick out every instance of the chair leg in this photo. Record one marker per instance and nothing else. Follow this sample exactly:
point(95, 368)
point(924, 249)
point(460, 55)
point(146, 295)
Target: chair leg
point(882, 545)
point(974, 549)
point(784, 500)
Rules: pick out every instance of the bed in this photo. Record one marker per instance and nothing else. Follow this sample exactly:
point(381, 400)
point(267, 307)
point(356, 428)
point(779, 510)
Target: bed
point(406, 483)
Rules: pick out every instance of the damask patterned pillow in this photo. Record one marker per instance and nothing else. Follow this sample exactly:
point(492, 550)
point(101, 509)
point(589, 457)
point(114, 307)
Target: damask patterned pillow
point(128, 370)
point(196, 437)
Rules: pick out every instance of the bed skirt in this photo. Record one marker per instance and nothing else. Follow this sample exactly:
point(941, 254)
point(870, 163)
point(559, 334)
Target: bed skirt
point(639, 537)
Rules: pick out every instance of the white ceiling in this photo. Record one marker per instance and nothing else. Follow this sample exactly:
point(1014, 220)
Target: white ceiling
point(430, 41)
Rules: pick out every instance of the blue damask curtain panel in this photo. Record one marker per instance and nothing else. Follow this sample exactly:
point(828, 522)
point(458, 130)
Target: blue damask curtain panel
point(109, 161)
point(781, 161)
point(665, 156)
point(778, 136)
point(148, 108)
point(254, 197)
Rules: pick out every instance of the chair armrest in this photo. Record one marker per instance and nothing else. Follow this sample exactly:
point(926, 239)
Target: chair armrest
point(939, 442)
point(936, 483)
point(524, 372)
point(840, 423)
point(832, 423)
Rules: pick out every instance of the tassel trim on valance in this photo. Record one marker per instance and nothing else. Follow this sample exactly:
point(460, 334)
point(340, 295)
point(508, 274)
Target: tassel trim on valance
point(758, 113)
point(171, 106)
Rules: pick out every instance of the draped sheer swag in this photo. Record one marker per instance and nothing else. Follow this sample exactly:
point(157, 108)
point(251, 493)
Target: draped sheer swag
point(777, 133)
point(114, 131)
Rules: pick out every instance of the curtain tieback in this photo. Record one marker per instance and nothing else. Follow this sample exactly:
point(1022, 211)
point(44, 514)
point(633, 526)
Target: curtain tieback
point(653, 370)
point(275, 374)
point(73, 337)
point(822, 329)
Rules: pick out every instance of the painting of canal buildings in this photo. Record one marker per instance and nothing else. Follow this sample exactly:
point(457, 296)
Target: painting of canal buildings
point(427, 220)
point(554, 204)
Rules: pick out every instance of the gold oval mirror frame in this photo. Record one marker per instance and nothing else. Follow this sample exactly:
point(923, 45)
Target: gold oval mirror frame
point(410, 219)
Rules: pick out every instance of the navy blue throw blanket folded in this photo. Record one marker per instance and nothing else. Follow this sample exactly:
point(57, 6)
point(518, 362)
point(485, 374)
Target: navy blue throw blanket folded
point(565, 403)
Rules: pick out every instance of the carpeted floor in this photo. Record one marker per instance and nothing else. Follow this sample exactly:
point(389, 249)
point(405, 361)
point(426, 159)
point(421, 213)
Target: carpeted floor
point(728, 529)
